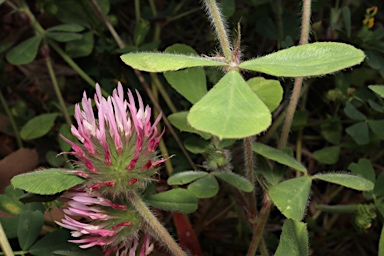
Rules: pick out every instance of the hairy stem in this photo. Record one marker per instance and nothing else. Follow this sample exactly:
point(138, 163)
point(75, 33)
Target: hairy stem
point(218, 23)
point(157, 227)
point(258, 230)
point(4, 243)
point(306, 16)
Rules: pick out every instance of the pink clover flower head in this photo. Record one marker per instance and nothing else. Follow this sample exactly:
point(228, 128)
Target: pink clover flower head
point(97, 221)
point(117, 143)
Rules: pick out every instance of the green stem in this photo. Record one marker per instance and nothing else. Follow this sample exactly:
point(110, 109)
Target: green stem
point(163, 93)
point(278, 9)
point(181, 15)
point(299, 80)
point(73, 65)
point(337, 208)
point(12, 120)
point(152, 5)
point(57, 89)
point(158, 228)
point(137, 10)
point(4, 243)
point(263, 248)
point(218, 23)
point(259, 227)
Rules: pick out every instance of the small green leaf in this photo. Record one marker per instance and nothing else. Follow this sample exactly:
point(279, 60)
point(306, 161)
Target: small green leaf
point(230, 110)
point(179, 120)
point(178, 199)
point(328, 155)
point(64, 36)
point(363, 168)
point(46, 182)
point(293, 239)
point(182, 178)
point(24, 52)
point(346, 180)
point(51, 242)
point(291, 197)
point(381, 242)
point(359, 133)
point(379, 188)
point(29, 227)
point(38, 126)
point(10, 225)
point(54, 159)
point(191, 83)
point(80, 48)
point(161, 62)
point(273, 176)
point(353, 113)
point(9, 202)
point(235, 180)
point(278, 156)
point(332, 131)
point(205, 187)
point(196, 145)
point(307, 60)
point(376, 106)
point(269, 91)
point(379, 89)
point(377, 126)
point(228, 8)
point(67, 28)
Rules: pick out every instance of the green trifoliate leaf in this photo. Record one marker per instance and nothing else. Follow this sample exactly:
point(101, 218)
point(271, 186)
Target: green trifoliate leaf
point(46, 182)
point(205, 187)
point(278, 156)
point(268, 90)
point(191, 83)
point(29, 227)
point(24, 52)
point(178, 199)
point(293, 239)
point(307, 60)
point(182, 178)
point(230, 110)
point(161, 62)
point(291, 197)
point(235, 180)
point(346, 180)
